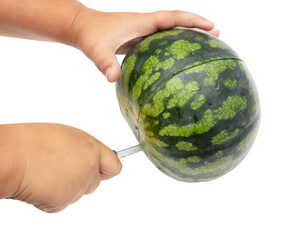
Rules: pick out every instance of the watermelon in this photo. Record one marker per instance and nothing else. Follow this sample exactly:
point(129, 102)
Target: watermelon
point(191, 103)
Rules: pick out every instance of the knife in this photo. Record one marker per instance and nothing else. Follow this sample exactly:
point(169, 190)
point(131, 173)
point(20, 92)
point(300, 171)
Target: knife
point(128, 151)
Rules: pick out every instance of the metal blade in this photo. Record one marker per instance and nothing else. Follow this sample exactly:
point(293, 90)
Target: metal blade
point(128, 151)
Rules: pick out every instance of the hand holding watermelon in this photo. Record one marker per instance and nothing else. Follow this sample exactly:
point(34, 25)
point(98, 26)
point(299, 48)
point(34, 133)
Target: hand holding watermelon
point(101, 35)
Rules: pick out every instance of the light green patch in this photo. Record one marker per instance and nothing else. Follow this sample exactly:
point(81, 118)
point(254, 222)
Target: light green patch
point(256, 104)
point(247, 141)
point(151, 80)
point(149, 133)
point(180, 98)
point(147, 68)
point(229, 109)
point(198, 102)
point(163, 43)
point(158, 51)
point(167, 64)
point(212, 70)
point(199, 38)
point(150, 63)
point(156, 122)
point(180, 94)
point(129, 66)
point(224, 173)
point(219, 164)
point(144, 45)
point(217, 44)
point(253, 109)
point(182, 48)
point(186, 146)
point(192, 159)
point(219, 154)
point(254, 94)
point(244, 69)
point(166, 115)
point(215, 69)
point(230, 83)
point(224, 136)
point(157, 106)
point(158, 142)
point(251, 91)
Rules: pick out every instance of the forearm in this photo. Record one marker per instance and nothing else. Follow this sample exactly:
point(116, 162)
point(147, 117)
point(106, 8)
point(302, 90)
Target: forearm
point(48, 20)
point(12, 164)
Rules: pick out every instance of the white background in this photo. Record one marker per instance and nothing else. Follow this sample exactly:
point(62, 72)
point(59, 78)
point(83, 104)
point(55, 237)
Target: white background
point(265, 197)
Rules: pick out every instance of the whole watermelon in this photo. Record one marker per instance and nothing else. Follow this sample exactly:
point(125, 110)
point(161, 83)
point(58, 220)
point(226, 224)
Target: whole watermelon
point(190, 102)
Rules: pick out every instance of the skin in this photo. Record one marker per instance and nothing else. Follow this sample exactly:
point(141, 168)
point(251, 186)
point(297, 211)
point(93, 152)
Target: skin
point(51, 165)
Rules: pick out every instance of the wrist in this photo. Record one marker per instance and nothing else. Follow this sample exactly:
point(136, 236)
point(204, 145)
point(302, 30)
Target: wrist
point(72, 39)
point(73, 10)
point(80, 36)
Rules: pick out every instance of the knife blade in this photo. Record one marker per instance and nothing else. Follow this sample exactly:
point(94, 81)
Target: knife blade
point(128, 151)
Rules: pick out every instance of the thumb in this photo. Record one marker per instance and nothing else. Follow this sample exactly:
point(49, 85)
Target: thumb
point(110, 164)
point(108, 64)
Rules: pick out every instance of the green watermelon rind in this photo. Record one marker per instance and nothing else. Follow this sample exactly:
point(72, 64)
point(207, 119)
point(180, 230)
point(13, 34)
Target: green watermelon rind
point(177, 156)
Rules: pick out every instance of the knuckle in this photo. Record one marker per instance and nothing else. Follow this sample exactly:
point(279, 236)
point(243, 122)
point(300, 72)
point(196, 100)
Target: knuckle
point(159, 14)
point(177, 13)
point(91, 142)
point(93, 165)
point(154, 16)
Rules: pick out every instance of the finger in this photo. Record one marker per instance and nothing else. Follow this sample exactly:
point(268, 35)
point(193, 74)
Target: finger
point(127, 46)
point(171, 19)
point(108, 64)
point(110, 164)
point(214, 32)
